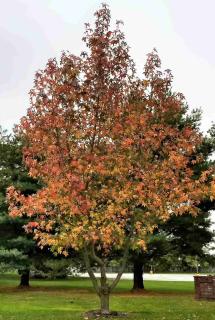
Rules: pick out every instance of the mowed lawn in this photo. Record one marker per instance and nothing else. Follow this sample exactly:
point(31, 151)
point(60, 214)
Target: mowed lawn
point(69, 299)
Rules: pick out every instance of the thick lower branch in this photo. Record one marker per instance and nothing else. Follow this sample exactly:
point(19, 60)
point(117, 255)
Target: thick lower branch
point(95, 257)
point(101, 263)
point(124, 261)
point(90, 271)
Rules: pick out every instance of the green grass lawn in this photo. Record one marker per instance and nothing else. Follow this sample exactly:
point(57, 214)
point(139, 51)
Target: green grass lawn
point(69, 299)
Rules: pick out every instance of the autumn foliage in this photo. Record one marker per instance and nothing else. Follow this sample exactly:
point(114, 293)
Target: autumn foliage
point(108, 148)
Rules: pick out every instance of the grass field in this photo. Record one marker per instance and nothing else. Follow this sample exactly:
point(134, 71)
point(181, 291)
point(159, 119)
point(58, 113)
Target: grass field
point(69, 299)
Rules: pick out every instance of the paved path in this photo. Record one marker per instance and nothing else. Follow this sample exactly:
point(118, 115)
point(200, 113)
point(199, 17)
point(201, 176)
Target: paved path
point(148, 276)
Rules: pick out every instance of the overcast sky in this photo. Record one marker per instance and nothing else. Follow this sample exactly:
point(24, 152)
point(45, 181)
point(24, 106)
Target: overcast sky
point(182, 31)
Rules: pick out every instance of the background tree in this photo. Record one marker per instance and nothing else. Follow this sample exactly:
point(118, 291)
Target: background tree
point(17, 248)
point(182, 236)
point(112, 166)
point(158, 245)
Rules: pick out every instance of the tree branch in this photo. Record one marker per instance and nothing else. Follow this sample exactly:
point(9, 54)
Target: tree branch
point(124, 260)
point(90, 271)
point(101, 263)
point(95, 257)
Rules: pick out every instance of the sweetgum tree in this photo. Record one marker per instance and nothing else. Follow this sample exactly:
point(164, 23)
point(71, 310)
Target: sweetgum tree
point(106, 147)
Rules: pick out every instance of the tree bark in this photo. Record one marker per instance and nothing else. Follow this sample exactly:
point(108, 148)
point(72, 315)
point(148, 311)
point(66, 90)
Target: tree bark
point(24, 279)
point(138, 283)
point(104, 289)
point(104, 300)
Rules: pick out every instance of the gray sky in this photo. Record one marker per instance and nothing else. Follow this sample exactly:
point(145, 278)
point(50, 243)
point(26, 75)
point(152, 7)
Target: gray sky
point(31, 31)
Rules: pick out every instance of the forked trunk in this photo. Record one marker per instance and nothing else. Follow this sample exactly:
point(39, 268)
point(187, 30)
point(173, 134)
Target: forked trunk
point(104, 289)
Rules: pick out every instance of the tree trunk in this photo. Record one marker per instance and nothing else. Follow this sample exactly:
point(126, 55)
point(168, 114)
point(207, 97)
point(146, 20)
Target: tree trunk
point(104, 300)
point(104, 289)
point(24, 279)
point(138, 275)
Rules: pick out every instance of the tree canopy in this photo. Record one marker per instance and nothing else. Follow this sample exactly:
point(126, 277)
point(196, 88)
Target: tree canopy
point(106, 146)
